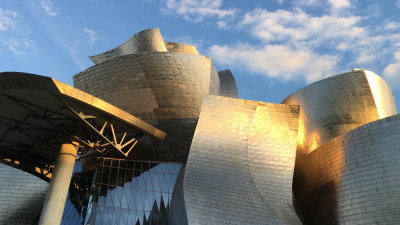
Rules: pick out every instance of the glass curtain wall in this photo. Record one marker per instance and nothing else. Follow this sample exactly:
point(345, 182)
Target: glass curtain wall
point(122, 192)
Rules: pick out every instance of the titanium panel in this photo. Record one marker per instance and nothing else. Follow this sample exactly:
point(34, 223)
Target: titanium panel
point(163, 88)
point(338, 104)
point(152, 86)
point(228, 84)
point(21, 196)
point(383, 96)
point(179, 47)
point(354, 178)
point(145, 41)
point(241, 162)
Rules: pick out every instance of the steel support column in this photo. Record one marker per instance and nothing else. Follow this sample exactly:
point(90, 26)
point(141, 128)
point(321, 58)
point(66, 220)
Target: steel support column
point(59, 184)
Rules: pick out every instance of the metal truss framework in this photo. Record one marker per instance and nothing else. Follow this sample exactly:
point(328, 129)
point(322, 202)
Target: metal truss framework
point(23, 143)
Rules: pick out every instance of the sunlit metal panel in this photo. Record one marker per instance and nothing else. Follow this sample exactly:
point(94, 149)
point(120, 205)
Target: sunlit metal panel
point(241, 162)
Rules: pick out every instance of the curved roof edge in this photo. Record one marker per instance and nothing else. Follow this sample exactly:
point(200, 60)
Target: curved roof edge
point(149, 40)
point(228, 84)
point(18, 80)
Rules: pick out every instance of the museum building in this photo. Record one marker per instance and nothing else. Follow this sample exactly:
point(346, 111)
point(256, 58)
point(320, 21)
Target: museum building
point(153, 134)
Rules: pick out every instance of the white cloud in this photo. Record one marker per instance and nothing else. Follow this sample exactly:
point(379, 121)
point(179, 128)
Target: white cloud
point(278, 61)
point(392, 25)
point(198, 10)
point(48, 7)
point(7, 19)
point(294, 44)
point(397, 3)
point(91, 35)
point(298, 26)
point(19, 46)
point(339, 4)
point(391, 73)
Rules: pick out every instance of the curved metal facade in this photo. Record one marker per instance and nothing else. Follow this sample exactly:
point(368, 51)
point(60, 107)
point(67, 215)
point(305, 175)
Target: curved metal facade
point(338, 104)
point(152, 86)
point(21, 196)
point(164, 88)
point(354, 178)
point(228, 84)
point(145, 41)
point(179, 47)
point(241, 162)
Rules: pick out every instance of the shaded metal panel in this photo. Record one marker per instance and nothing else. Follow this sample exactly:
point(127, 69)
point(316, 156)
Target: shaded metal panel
point(174, 148)
point(383, 96)
point(179, 47)
point(354, 178)
point(331, 107)
point(145, 41)
point(21, 196)
point(235, 164)
point(215, 85)
point(228, 84)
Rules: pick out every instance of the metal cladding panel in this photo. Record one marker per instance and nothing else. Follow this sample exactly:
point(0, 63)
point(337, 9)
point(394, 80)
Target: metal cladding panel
point(145, 41)
point(152, 86)
point(354, 178)
point(21, 196)
point(383, 96)
point(241, 162)
point(336, 105)
point(228, 84)
point(179, 47)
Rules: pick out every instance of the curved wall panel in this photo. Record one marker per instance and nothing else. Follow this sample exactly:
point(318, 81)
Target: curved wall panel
point(228, 84)
point(338, 104)
point(383, 96)
point(152, 86)
point(21, 196)
point(163, 88)
point(179, 47)
point(354, 178)
point(241, 162)
point(145, 41)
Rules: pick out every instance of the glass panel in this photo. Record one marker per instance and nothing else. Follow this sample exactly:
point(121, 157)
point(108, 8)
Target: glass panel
point(136, 192)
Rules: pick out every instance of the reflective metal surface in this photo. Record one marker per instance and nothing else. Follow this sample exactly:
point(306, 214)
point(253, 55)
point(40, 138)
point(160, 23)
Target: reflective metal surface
point(163, 88)
point(338, 104)
point(228, 84)
point(145, 41)
point(21, 196)
point(354, 178)
point(179, 47)
point(241, 162)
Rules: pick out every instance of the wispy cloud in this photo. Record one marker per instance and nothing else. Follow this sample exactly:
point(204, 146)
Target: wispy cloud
point(277, 61)
point(7, 19)
point(294, 44)
point(19, 46)
point(198, 10)
point(12, 36)
point(91, 35)
point(48, 7)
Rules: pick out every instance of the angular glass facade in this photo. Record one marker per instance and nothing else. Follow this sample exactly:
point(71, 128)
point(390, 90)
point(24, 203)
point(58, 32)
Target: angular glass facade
point(122, 192)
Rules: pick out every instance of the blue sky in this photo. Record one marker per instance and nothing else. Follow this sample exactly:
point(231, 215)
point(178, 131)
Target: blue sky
point(272, 47)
